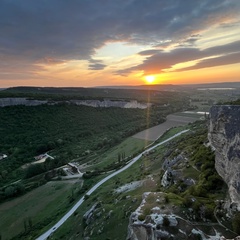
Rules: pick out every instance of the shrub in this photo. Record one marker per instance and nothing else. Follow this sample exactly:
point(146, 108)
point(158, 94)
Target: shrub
point(187, 201)
point(141, 217)
point(197, 236)
point(166, 199)
point(166, 221)
point(236, 223)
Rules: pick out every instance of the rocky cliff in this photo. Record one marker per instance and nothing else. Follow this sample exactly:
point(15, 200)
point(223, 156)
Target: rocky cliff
point(224, 136)
point(110, 103)
point(20, 101)
point(91, 103)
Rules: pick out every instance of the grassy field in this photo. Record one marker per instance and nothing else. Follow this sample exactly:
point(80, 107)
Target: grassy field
point(50, 201)
point(111, 216)
point(110, 219)
point(38, 206)
point(119, 204)
point(204, 99)
point(66, 132)
point(128, 147)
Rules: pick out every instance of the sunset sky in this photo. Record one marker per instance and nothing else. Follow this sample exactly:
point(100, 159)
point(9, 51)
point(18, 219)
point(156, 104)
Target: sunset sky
point(118, 42)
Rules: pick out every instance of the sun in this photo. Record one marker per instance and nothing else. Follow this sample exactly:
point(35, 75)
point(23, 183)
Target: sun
point(150, 79)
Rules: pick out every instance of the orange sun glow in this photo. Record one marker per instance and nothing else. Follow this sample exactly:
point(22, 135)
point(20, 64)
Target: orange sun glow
point(150, 79)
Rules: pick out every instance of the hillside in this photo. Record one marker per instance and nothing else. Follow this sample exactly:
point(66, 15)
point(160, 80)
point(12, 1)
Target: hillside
point(172, 192)
point(67, 131)
point(59, 150)
point(143, 95)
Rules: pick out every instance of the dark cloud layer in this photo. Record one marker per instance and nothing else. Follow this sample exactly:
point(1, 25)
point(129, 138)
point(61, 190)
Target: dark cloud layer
point(159, 60)
point(95, 64)
point(61, 30)
point(217, 61)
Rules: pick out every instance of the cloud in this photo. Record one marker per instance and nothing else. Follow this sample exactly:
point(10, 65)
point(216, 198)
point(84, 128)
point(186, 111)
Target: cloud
point(95, 64)
point(159, 61)
point(213, 62)
point(60, 31)
point(149, 52)
point(75, 29)
point(191, 41)
point(51, 61)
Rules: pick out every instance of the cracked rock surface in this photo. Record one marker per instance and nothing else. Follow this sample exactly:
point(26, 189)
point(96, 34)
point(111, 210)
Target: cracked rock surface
point(224, 137)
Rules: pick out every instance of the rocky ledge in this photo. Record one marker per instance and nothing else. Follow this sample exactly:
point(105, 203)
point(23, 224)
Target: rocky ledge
point(4, 102)
point(91, 103)
point(224, 137)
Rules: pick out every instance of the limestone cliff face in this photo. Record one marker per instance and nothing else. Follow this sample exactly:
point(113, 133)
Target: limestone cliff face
point(111, 103)
point(91, 103)
point(224, 136)
point(20, 101)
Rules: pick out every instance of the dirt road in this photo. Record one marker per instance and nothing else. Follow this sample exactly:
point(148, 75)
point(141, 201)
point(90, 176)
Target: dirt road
point(79, 203)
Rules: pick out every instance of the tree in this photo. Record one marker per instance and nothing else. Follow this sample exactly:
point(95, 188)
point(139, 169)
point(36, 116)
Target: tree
point(33, 170)
point(19, 188)
point(9, 191)
point(4, 173)
point(119, 157)
point(25, 225)
point(166, 221)
point(166, 199)
point(236, 223)
point(187, 201)
point(30, 222)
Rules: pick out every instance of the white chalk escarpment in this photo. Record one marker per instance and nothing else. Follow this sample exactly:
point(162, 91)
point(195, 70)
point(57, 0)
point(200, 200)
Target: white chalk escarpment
point(90, 103)
point(224, 137)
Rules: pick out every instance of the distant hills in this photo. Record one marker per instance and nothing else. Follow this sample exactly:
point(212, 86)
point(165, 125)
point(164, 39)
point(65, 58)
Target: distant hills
point(156, 87)
point(172, 87)
point(157, 95)
point(139, 92)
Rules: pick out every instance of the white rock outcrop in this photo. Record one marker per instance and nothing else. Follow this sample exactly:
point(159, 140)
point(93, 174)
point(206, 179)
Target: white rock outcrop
point(224, 136)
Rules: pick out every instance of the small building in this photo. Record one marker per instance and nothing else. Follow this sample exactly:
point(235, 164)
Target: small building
point(41, 156)
point(74, 168)
point(2, 156)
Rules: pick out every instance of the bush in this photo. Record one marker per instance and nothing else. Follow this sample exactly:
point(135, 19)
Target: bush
point(236, 223)
point(86, 196)
point(209, 213)
point(141, 217)
point(187, 201)
point(34, 169)
point(166, 199)
point(166, 221)
point(200, 191)
point(197, 236)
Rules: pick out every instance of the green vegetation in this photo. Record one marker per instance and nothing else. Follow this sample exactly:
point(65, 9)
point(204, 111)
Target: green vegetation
point(111, 216)
point(202, 100)
point(67, 131)
point(117, 155)
point(236, 223)
point(98, 138)
point(237, 102)
point(122, 204)
point(23, 215)
point(199, 166)
point(61, 94)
